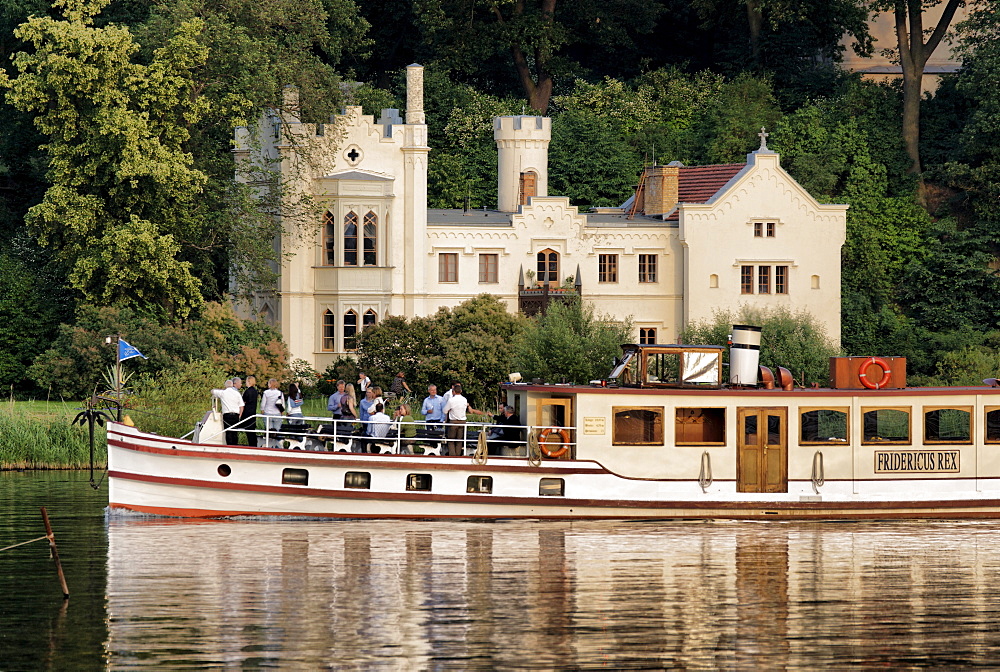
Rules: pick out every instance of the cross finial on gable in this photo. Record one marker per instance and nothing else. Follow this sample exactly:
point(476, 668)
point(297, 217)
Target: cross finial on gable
point(763, 139)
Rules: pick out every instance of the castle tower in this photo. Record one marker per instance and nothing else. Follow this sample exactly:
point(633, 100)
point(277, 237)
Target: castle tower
point(522, 159)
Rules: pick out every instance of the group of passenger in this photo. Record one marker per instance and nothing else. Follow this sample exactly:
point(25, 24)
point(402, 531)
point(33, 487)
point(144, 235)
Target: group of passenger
point(447, 413)
point(240, 408)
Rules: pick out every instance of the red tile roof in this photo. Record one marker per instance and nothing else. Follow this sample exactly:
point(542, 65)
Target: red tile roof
point(697, 184)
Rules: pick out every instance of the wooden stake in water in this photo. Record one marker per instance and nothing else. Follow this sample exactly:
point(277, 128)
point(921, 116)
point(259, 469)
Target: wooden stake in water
point(55, 553)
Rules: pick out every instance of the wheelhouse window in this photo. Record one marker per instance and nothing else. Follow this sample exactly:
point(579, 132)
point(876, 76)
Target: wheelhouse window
point(700, 426)
point(329, 332)
point(823, 425)
point(329, 239)
point(350, 239)
point(647, 336)
point(448, 267)
point(992, 424)
point(746, 279)
point(641, 426)
point(647, 268)
point(548, 266)
point(350, 330)
point(947, 425)
point(371, 239)
point(885, 425)
point(607, 268)
point(488, 268)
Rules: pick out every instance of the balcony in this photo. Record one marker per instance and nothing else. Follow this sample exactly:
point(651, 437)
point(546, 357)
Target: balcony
point(534, 300)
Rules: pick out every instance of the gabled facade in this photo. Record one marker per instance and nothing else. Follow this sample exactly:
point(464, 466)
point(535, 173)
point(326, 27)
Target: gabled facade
point(675, 252)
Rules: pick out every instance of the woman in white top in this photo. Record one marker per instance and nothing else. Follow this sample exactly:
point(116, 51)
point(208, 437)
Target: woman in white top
point(272, 404)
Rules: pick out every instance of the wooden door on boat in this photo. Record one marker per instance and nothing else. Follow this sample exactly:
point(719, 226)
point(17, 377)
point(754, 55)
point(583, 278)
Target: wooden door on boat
point(558, 414)
point(762, 450)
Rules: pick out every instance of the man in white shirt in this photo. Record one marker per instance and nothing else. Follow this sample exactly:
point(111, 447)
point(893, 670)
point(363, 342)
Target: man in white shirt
point(232, 407)
point(455, 412)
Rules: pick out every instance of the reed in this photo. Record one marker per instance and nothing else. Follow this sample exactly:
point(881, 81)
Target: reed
point(47, 442)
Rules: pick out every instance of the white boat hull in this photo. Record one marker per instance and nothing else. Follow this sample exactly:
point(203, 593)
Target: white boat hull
point(170, 477)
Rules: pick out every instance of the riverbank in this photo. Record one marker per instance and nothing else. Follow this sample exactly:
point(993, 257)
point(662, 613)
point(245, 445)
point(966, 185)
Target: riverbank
point(38, 435)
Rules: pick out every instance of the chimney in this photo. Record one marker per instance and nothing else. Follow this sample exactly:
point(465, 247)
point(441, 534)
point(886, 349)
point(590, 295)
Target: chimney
point(415, 94)
point(661, 188)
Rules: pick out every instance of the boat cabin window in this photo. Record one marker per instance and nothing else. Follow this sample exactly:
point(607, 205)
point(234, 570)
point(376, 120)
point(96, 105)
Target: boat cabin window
point(823, 425)
point(886, 425)
point(700, 426)
point(641, 426)
point(552, 487)
point(361, 480)
point(482, 484)
point(295, 477)
point(418, 482)
point(751, 432)
point(947, 425)
point(993, 424)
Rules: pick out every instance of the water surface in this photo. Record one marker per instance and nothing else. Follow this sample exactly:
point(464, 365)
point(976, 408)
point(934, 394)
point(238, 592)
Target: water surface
point(506, 595)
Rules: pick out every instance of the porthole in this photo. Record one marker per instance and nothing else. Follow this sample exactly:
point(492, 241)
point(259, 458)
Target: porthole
point(418, 482)
point(295, 477)
point(361, 480)
point(552, 487)
point(480, 484)
point(225, 470)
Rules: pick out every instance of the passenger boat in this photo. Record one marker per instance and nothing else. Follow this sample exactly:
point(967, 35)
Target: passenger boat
point(666, 435)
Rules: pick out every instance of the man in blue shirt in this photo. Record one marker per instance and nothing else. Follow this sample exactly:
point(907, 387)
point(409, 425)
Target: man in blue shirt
point(333, 403)
point(433, 409)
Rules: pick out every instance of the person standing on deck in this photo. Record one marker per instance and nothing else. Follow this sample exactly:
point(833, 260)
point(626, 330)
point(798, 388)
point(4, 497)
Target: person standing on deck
point(363, 382)
point(248, 423)
point(335, 403)
point(433, 409)
point(399, 386)
point(455, 412)
point(272, 404)
point(232, 406)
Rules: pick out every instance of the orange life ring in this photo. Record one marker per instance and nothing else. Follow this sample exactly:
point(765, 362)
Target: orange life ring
point(863, 373)
point(563, 434)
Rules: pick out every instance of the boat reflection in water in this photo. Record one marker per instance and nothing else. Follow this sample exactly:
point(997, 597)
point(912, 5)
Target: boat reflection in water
point(412, 595)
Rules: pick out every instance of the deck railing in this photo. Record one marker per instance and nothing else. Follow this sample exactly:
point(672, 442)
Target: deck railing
point(312, 433)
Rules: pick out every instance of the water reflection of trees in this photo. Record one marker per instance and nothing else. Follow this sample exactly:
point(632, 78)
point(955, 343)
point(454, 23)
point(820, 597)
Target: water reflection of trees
point(482, 595)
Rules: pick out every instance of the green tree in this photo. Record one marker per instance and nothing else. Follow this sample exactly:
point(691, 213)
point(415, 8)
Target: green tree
point(794, 340)
point(121, 180)
point(28, 317)
point(570, 341)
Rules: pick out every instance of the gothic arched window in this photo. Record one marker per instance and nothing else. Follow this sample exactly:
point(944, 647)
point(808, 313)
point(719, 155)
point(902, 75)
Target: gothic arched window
point(351, 239)
point(371, 235)
point(548, 266)
point(329, 239)
point(350, 330)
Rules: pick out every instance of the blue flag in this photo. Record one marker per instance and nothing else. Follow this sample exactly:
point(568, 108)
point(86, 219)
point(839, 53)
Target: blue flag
point(126, 351)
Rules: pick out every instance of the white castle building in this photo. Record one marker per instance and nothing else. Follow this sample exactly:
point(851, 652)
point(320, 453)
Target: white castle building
point(693, 240)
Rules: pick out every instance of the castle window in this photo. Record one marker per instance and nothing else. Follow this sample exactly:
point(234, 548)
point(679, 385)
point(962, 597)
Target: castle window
point(350, 330)
point(528, 187)
point(647, 268)
point(781, 279)
point(548, 266)
point(448, 267)
point(607, 268)
point(369, 319)
point(647, 336)
point(371, 234)
point(746, 279)
point(770, 229)
point(329, 332)
point(351, 239)
point(329, 239)
point(488, 268)
point(763, 279)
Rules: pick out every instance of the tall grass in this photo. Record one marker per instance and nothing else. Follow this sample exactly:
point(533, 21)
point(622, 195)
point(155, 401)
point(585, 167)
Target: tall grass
point(33, 442)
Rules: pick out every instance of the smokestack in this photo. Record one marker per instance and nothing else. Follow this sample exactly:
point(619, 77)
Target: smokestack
point(661, 188)
point(415, 94)
point(744, 355)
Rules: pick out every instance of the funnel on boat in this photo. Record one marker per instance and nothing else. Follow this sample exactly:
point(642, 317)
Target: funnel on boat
point(744, 355)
